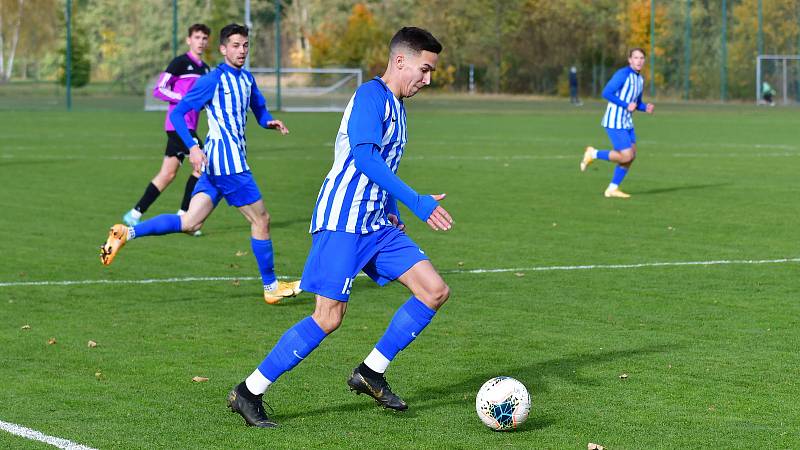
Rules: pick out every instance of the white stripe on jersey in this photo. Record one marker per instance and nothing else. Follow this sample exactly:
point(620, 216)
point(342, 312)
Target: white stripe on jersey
point(348, 200)
point(226, 148)
point(617, 117)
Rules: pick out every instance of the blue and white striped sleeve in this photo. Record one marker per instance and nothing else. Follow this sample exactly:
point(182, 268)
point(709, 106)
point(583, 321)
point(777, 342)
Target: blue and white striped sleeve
point(615, 84)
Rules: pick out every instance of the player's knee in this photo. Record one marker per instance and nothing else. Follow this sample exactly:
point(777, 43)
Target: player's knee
point(328, 322)
point(167, 176)
point(626, 158)
point(435, 296)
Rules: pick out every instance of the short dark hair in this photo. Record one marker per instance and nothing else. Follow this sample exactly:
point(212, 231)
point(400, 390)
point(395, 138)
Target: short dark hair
point(415, 39)
point(231, 29)
point(636, 49)
point(201, 27)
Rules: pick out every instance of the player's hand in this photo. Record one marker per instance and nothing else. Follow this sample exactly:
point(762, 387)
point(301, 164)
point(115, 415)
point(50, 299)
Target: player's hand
point(650, 108)
point(632, 106)
point(440, 219)
point(396, 222)
point(198, 158)
point(278, 125)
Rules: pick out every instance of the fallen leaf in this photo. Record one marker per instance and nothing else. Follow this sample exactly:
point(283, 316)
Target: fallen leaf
point(234, 266)
point(519, 274)
point(235, 283)
point(593, 446)
point(25, 327)
point(91, 344)
point(624, 376)
point(670, 228)
point(240, 253)
point(460, 263)
point(199, 379)
point(51, 341)
point(555, 224)
point(98, 375)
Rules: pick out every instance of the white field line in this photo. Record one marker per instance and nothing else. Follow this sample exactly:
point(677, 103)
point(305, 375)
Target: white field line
point(721, 262)
point(27, 433)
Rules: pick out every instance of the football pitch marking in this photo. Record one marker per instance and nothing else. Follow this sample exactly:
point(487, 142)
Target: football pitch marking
point(28, 433)
point(719, 262)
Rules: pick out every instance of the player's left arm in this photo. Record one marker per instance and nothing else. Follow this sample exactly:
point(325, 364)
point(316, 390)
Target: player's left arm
point(258, 104)
point(642, 106)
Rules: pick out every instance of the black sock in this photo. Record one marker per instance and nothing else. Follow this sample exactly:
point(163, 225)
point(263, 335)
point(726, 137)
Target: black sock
point(187, 193)
point(367, 372)
point(242, 390)
point(151, 193)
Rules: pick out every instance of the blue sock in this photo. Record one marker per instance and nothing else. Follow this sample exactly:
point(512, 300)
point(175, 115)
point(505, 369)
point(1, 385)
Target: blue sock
point(297, 343)
point(262, 250)
point(158, 225)
point(619, 175)
point(406, 325)
point(603, 154)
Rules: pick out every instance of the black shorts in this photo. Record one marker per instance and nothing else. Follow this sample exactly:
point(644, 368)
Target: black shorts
point(175, 146)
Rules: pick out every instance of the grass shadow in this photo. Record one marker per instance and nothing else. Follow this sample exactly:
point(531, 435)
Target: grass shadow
point(680, 188)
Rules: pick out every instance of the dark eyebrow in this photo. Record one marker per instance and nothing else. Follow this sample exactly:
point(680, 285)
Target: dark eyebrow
point(430, 68)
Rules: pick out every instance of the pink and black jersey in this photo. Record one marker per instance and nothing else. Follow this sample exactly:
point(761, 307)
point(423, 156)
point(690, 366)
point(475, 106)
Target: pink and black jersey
point(176, 81)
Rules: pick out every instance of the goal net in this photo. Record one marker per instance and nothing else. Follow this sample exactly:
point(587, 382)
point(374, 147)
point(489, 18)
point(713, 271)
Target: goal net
point(778, 79)
point(306, 89)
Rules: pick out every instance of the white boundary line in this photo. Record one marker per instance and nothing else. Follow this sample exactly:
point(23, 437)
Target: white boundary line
point(28, 433)
point(720, 262)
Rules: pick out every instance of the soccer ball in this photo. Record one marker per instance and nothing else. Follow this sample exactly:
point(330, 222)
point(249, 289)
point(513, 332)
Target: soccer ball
point(503, 403)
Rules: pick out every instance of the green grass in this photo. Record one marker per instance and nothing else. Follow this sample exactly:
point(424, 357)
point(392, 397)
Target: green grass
point(711, 351)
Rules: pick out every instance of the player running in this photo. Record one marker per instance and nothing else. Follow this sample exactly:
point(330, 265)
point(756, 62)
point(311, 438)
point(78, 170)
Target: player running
point(356, 226)
point(172, 86)
point(624, 95)
point(225, 93)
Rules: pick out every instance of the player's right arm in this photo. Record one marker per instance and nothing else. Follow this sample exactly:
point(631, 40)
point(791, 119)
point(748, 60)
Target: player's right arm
point(201, 93)
point(166, 81)
point(614, 85)
point(365, 132)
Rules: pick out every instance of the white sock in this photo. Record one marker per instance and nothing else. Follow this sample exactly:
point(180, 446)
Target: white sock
point(376, 361)
point(593, 153)
point(272, 286)
point(257, 383)
point(131, 233)
point(136, 214)
point(180, 212)
point(612, 186)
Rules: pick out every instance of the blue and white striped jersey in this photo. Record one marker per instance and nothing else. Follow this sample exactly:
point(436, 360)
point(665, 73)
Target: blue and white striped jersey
point(348, 200)
point(225, 93)
point(624, 87)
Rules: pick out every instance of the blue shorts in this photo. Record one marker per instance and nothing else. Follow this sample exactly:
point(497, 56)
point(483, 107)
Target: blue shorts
point(336, 257)
point(238, 189)
point(621, 139)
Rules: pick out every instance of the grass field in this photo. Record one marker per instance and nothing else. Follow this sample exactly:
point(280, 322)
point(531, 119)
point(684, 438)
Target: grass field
point(710, 350)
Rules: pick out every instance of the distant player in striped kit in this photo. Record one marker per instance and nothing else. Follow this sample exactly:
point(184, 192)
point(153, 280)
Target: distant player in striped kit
point(226, 93)
point(172, 86)
point(624, 95)
point(356, 226)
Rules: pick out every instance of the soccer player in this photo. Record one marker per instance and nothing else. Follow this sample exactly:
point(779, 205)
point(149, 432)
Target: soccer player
point(356, 226)
point(172, 86)
point(225, 93)
point(624, 95)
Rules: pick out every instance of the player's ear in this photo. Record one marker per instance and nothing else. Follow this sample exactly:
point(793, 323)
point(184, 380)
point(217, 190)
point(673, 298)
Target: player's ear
point(400, 60)
point(222, 50)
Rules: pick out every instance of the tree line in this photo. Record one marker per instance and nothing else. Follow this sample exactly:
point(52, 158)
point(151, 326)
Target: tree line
point(510, 46)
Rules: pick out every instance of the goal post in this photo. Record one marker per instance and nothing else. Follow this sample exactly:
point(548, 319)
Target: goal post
point(782, 73)
point(300, 89)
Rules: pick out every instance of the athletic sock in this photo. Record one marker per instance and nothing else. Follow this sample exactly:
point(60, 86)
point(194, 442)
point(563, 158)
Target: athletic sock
point(151, 193)
point(405, 326)
point(158, 225)
point(295, 344)
point(262, 250)
point(603, 154)
point(187, 192)
point(619, 175)
point(256, 383)
point(135, 213)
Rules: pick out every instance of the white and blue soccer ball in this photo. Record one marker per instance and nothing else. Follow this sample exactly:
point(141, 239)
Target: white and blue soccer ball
point(503, 403)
